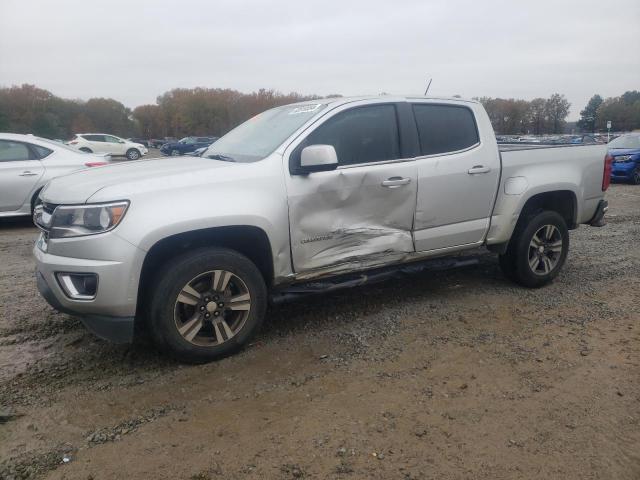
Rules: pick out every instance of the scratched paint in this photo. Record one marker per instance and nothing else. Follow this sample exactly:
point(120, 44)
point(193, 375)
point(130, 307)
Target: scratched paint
point(346, 218)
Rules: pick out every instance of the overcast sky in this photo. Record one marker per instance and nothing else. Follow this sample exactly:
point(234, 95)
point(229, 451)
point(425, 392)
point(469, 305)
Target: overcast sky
point(134, 51)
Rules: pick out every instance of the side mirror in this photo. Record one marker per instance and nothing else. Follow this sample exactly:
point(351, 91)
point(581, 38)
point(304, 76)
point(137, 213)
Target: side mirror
point(318, 158)
point(121, 141)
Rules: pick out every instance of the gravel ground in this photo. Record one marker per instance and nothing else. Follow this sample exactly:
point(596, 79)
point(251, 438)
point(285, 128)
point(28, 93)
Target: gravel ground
point(455, 374)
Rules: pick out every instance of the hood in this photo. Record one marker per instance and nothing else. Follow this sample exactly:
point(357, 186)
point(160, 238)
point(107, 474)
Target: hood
point(122, 180)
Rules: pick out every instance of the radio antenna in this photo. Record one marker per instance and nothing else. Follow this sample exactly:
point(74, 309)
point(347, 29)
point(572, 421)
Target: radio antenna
point(427, 90)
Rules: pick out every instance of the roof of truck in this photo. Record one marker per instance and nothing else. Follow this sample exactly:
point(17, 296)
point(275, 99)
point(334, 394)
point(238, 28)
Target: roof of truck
point(391, 98)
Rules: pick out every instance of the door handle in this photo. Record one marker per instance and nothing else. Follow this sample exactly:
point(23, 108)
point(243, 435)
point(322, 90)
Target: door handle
point(478, 169)
point(395, 182)
point(27, 173)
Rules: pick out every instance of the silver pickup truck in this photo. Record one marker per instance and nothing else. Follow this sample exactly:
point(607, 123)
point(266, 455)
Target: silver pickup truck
point(194, 248)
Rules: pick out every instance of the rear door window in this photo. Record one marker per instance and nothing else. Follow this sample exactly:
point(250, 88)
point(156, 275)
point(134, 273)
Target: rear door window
point(445, 128)
point(14, 151)
point(361, 135)
point(94, 138)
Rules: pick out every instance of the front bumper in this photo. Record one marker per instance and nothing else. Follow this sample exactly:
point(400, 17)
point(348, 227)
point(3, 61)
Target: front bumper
point(623, 171)
point(111, 313)
point(113, 329)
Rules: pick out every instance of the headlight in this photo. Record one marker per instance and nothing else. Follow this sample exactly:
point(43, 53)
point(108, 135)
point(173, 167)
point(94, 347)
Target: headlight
point(622, 158)
point(79, 220)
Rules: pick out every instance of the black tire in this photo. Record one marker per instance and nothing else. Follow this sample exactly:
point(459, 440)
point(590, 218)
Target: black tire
point(515, 263)
point(133, 154)
point(635, 176)
point(179, 272)
point(86, 150)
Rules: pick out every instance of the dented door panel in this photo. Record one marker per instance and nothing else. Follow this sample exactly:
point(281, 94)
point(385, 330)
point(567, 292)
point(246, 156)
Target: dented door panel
point(347, 216)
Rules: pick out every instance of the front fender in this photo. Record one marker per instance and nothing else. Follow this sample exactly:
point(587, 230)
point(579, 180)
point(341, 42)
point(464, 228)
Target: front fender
point(246, 195)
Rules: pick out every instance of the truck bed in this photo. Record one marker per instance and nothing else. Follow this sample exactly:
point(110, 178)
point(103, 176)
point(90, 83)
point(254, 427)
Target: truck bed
point(533, 168)
point(516, 146)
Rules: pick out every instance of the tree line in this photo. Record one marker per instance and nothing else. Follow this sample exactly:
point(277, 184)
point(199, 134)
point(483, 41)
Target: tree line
point(510, 116)
point(215, 111)
point(29, 109)
point(205, 111)
point(623, 112)
point(539, 116)
point(177, 113)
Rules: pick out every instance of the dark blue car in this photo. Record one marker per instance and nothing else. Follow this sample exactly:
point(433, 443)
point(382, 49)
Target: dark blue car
point(626, 158)
point(186, 145)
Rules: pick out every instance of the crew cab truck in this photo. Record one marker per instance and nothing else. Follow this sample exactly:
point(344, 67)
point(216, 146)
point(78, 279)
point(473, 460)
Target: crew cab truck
point(194, 247)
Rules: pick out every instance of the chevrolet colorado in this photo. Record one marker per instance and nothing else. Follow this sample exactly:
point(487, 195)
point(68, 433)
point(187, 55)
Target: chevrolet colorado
point(194, 247)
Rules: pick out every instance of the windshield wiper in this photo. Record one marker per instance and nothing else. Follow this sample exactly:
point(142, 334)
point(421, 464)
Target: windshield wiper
point(217, 156)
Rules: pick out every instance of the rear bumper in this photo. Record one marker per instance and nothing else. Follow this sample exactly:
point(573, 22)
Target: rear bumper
point(113, 329)
point(598, 218)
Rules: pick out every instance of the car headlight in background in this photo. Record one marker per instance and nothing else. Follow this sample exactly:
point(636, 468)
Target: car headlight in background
point(79, 220)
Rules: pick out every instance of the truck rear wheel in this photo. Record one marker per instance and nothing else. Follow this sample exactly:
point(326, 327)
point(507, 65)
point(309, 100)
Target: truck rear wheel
point(208, 304)
point(537, 250)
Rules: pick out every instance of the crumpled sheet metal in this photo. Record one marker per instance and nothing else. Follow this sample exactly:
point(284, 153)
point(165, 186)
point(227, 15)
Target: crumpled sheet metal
point(346, 219)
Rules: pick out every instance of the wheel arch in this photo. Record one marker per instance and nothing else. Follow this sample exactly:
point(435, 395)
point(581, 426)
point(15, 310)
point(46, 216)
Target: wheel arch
point(251, 241)
point(564, 202)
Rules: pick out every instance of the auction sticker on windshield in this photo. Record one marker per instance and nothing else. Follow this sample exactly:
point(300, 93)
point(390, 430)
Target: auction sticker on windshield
point(305, 109)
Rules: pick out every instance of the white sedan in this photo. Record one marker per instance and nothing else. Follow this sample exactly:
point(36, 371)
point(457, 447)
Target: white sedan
point(104, 143)
point(27, 163)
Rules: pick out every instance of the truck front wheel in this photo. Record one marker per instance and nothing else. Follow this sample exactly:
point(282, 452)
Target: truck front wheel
point(208, 304)
point(537, 251)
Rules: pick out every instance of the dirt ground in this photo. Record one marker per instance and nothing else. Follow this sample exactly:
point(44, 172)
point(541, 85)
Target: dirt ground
point(447, 375)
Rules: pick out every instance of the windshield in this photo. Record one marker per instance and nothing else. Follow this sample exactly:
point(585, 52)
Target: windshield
point(261, 135)
point(626, 141)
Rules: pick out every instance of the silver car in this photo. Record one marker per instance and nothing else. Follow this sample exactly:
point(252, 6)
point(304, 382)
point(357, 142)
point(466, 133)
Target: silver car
point(27, 163)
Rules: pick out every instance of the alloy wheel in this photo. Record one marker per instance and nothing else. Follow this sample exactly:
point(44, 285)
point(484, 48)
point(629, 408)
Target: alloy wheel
point(212, 308)
point(545, 250)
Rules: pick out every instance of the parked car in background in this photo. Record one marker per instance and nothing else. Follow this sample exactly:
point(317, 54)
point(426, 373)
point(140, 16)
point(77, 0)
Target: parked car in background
point(158, 142)
point(186, 145)
point(141, 141)
point(198, 152)
point(625, 151)
point(583, 140)
point(104, 143)
point(303, 192)
point(28, 162)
